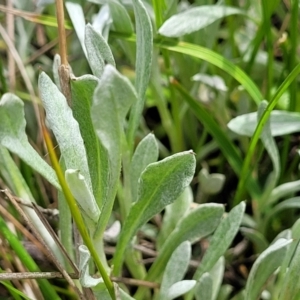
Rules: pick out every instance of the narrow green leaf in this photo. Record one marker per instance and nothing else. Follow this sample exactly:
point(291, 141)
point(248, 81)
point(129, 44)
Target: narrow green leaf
point(98, 51)
point(196, 18)
point(76, 14)
point(159, 185)
point(281, 123)
point(180, 288)
point(173, 214)
point(226, 232)
point(199, 223)
point(203, 289)
point(264, 266)
point(176, 268)
point(16, 294)
point(286, 204)
point(283, 190)
point(121, 19)
point(144, 37)
point(65, 128)
point(14, 138)
point(111, 102)
point(219, 61)
point(145, 153)
point(82, 194)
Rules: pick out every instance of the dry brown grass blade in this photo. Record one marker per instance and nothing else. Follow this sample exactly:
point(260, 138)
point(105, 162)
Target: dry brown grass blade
point(39, 237)
point(55, 237)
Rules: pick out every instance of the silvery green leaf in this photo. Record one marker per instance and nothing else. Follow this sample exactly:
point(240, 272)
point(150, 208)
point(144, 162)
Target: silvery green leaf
point(112, 99)
point(60, 120)
point(281, 122)
point(215, 81)
point(217, 275)
point(145, 153)
point(197, 224)
point(283, 190)
point(176, 268)
point(180, 288)
point(195, 18)
point(264, 266)
point(286, 204)
point(270, 145)
point(82, 89)
point(14, 138)
point(226, 231)
point(103, 21)
point(284, 277)
point(211, 183)
point(173, 214)
point(82, 194)
point(144, 37)
point(120, 16)
point(204, 287)
point(86, 280)
point(76, 14)
point(160, 184)
point(98, 51)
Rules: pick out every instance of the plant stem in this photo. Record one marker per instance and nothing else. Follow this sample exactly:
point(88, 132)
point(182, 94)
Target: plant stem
point(76, 213)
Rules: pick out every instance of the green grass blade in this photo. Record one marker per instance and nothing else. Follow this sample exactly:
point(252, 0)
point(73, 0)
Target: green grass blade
point(265, 116)
point(221, 62)
point(227, 147)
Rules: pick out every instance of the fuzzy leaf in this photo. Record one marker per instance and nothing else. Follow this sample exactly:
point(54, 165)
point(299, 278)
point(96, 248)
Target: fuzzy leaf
point(180, 288)
point(112, 99)
point(173, 214)
point(98, 51)
point(144, 37)
point(82, 194)
point(121, 18)
point(195, 18)
point(60, 119)
point(281, 122)
point(176, 268)
point(82, 89)
point(203, 289)
point(226, 232)
point(14, 138)
point(264, 266)
point(211, 183)
point(145, 154)
point(159, 185)
point(86, 280)
point(199, 223)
